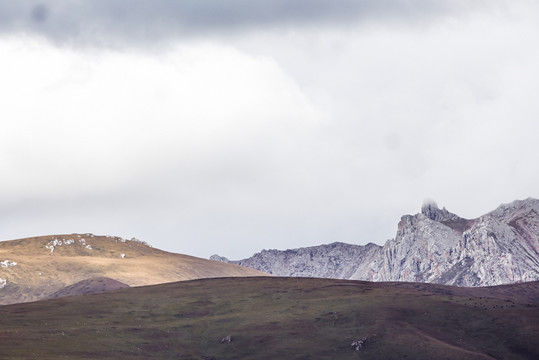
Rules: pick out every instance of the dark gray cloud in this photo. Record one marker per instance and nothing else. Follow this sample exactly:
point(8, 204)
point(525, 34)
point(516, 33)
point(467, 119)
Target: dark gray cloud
point(118, 21)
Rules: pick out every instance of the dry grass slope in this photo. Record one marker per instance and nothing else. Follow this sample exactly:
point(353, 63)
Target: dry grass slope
point(46, 264)
point(278, 318)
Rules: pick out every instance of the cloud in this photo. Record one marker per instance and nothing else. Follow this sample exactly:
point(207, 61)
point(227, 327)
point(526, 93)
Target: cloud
point(305, 126)
point(140, 22)
point(201, 132)
point(107, 116)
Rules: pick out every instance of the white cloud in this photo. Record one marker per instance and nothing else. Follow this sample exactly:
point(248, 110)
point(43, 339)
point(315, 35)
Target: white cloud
point(197, 129)
point(274, 137)
point(84, 119)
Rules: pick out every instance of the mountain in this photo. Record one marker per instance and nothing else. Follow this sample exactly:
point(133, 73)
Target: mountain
point(434, 246)
point(337, 260)
point(40, 267)
point(265, 318)
point(437, 246)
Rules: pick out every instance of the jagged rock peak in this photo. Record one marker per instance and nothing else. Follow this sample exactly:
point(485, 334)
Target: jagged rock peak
point(434, 246)
point(430, 209)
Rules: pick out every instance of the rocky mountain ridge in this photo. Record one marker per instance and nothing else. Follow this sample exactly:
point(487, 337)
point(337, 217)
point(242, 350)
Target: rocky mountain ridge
point(433, 246)
point(337, 260)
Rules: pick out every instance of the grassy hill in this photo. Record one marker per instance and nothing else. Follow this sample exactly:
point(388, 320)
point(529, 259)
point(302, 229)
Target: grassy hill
point(35, 268)
point(278, 318)
point(89, 286)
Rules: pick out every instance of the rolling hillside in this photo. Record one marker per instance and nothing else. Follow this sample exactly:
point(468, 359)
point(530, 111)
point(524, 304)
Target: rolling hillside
point(89, 286)
point(36, 268)
point(278, 318)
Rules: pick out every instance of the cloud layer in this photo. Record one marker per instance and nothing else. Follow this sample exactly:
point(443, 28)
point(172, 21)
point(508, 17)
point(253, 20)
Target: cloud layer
point(117, 22)
point(275, 125)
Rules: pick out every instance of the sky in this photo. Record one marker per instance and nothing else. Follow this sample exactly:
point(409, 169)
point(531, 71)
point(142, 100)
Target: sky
point(227, 127)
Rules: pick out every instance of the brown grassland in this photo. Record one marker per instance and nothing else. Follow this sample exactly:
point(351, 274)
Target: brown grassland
point(278, 318)
point(40, 272)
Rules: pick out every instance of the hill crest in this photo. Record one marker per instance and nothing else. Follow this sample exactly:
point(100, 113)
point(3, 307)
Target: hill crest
point(95, 285)
point(37, 267)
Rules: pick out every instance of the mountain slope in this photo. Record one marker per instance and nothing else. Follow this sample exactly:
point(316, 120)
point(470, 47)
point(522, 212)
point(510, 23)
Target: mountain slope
point(433, 246)
point(336, 260)
point(278, 318)
point(497, 248)
point(35, 268)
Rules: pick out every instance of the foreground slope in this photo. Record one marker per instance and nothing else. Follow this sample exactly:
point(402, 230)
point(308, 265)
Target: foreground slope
point(278, 318)
point(40, 267)
point(434, 246)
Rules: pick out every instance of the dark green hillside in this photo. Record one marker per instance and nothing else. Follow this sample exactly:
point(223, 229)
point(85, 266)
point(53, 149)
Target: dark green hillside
point(278, 318)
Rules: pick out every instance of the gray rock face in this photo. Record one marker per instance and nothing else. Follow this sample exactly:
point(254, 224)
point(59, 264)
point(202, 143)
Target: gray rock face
point(219, 258)
point(434, 246)
point(430, 210)
point(336, 260)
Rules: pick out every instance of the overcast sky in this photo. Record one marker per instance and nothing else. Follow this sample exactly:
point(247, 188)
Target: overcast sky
point(228, 127)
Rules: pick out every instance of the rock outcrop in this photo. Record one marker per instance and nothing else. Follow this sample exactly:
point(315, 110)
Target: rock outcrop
point(434, 246)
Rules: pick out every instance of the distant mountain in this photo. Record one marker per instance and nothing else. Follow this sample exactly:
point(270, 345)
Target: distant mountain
point(336, 260)
point(434, 246)
point(40, 267)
